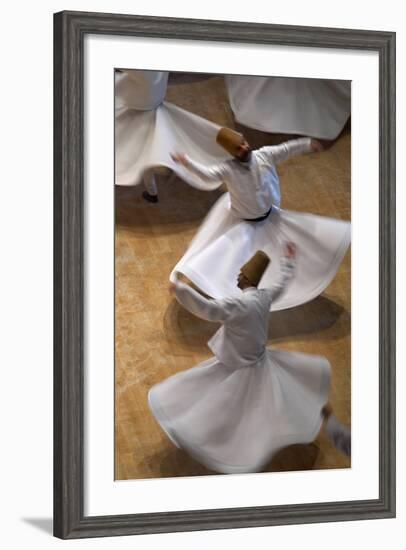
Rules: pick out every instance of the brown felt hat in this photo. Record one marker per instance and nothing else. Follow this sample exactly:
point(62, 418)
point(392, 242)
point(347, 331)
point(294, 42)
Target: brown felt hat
point(230, 140)
point(255, 267)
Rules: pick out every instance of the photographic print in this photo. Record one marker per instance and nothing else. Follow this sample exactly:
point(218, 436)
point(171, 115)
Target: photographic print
point(232, 274)
point(219, 349)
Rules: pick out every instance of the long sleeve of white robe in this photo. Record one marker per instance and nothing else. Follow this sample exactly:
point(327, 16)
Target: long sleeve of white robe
point(208, 174)
point(273, 154)
point(288, 266)
point(209, 310)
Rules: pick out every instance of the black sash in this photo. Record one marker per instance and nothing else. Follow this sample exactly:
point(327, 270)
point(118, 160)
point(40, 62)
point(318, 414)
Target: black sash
point(261, 218)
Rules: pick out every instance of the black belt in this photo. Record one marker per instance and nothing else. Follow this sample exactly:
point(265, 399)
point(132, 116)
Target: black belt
point(261, 218)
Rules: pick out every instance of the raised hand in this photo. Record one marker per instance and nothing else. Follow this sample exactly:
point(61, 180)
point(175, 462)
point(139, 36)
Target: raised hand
point(171, 287)
point(179, 158)
point(318, 145)
point(289, 250)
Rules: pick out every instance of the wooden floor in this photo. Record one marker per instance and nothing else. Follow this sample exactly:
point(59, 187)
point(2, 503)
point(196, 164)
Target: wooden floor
point(156, 338)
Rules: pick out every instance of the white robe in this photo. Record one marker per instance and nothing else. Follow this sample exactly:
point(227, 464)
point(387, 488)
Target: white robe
point(305, 106)
point(224, 242)
point(148, 130)
point(253, 185)
point(233, 412)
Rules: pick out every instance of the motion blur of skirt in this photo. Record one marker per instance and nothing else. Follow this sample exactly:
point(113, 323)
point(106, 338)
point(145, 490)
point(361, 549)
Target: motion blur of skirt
point(148, 129)
point(224, 243)
point(306, 106)
point(233, 420)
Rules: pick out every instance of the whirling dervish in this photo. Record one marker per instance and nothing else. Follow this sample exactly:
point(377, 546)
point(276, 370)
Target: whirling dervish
point(234, 411)
point(248, 218)
point(306, 106)
point(147, 129)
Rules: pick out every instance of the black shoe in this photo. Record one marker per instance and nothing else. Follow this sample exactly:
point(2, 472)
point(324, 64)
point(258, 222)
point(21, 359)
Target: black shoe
point(149, 198)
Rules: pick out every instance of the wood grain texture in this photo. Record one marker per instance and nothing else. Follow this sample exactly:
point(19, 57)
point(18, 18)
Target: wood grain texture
point(68, 282)
point(70, 28)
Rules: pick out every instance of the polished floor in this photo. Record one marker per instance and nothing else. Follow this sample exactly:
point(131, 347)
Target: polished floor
point(155, 337)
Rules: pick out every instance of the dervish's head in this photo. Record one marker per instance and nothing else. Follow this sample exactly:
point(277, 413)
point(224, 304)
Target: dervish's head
point(252, 271)
point(234, 143)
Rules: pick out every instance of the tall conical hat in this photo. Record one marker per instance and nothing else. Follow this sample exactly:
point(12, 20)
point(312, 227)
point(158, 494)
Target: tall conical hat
point(230, 140)
point(255, 267)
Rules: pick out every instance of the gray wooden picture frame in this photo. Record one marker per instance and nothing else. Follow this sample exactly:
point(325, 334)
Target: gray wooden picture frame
point(70, 29)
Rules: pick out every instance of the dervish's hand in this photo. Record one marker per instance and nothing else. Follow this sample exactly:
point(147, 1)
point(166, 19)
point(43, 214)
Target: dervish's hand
point(172, 287)
point(290, 250)
point(316, 146)
point(179, 158)
point(327, 411)
point(319, 145)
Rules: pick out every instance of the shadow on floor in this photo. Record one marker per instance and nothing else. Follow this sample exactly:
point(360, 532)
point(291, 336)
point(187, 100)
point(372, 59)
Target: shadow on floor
point(320, 319)
point(173, 462)
point(170, 461)
point(294, 458)
point(179, 204)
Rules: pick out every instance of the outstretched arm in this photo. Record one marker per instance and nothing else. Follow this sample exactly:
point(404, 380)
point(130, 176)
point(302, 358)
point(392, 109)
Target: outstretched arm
point(209, 310)
point(274, 154)
point(208, 174)
point(288, 264)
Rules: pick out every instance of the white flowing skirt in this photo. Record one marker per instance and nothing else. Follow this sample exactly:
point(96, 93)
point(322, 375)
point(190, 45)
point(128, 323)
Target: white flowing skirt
point(235, 420)
point(224, 243)
point(141, 90)
point(311, 107)
point(146, 139)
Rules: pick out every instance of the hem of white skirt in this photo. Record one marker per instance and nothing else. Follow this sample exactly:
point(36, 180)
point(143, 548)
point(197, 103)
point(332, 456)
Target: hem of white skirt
point(199, 281)
point(161, 419)
point(216, 465)
point(165, 168)
point(206, 287)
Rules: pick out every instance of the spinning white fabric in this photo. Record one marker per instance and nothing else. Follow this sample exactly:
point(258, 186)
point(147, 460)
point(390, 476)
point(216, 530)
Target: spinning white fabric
point(140, 90)
point(224, 243)
point(148, 130)
point(233, 412)
point(305, 106)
